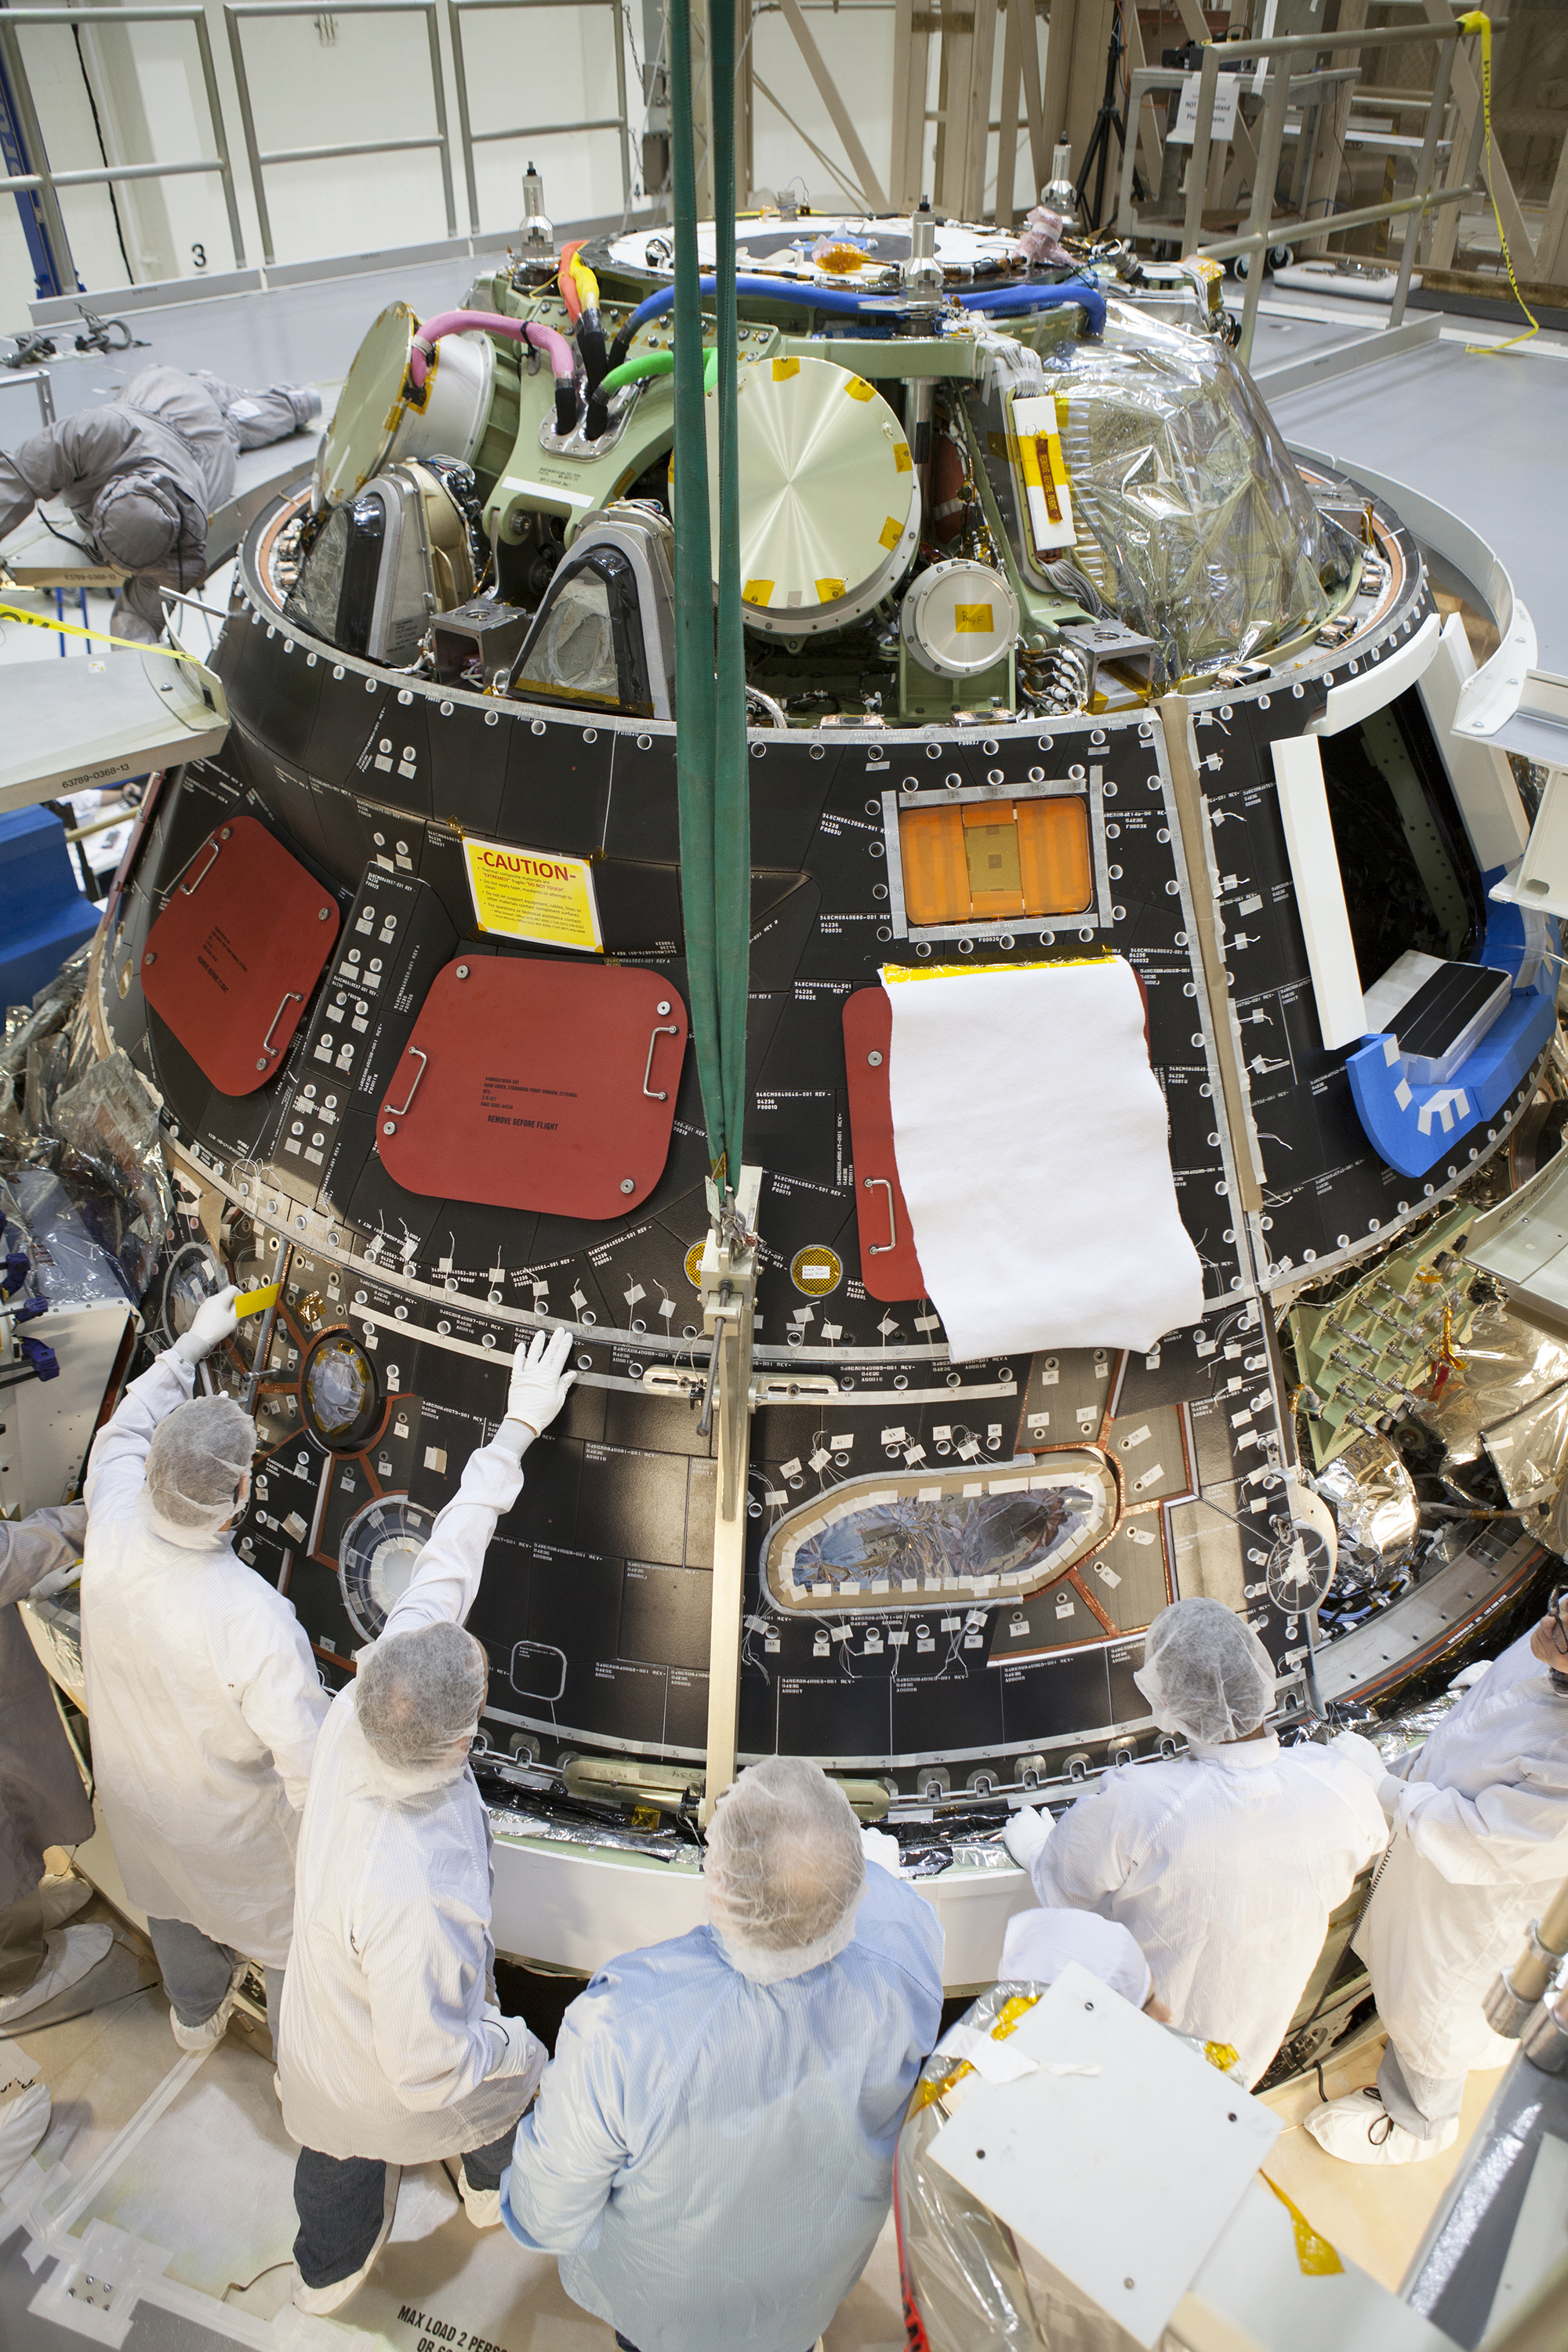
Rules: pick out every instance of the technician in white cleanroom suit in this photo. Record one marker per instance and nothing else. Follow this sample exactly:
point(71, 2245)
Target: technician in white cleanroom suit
point(394, 2051)
point(711, 2153)
point(1480, 1840)
point(202, 1694)
point(1225, 1864)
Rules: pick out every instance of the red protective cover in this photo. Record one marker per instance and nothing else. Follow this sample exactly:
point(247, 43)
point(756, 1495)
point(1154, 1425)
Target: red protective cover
point(531, 1085)
point(231, 962)
point(868, 1029)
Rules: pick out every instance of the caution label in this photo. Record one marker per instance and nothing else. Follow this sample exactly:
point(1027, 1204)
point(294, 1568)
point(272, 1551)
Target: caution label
point(533, 894)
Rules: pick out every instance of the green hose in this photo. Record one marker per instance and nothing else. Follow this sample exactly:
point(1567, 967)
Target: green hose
point(654, 364)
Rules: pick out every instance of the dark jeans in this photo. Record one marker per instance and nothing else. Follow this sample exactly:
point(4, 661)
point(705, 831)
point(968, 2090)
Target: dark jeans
point(22, 1947)
point(198, 1973)
point(341, 2200)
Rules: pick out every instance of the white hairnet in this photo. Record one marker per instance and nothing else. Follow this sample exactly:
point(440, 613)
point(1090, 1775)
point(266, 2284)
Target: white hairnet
point(1205, 1673)
point(418, 1693)
point(1038, 1945)
point(784, 1871)
point(199, 1453)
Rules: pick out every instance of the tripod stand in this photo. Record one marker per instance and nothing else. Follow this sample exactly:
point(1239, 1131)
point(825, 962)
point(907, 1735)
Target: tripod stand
point(1097, 154)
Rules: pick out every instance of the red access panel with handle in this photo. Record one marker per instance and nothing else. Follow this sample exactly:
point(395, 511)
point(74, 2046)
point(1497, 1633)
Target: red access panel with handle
point(231, 963)
point(531, 1083)
point(890, 1265)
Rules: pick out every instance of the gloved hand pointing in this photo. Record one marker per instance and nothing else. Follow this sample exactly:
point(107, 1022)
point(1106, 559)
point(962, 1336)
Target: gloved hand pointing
point(539, 1383)
point(1026, 1832)
point(215, 1322)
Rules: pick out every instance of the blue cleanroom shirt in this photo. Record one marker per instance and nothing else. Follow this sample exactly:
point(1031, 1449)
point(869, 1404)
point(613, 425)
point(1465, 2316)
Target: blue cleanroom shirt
point(713, 2160)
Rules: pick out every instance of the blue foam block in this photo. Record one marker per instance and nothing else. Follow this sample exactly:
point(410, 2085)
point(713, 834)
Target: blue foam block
point(43, 915)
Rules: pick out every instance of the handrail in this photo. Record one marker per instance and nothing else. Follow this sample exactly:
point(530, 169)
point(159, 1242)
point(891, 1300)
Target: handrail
point(1280, 55)
point(236, 12)
point(471, 138)
point(45, 180)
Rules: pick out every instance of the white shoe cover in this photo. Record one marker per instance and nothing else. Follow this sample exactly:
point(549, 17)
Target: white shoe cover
point(212, 2029)
point(25, 2109)
point(61, 1898)
point(1359, 2130)
point(482, 2206)
point(68, 1957)
point(329, 2298)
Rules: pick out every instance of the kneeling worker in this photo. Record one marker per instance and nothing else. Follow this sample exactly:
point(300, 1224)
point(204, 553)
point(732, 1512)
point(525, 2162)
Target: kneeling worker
point(201, 1693)
point(1481, 1839)
point(1225, 1864)
point(392, 2052)
point(712, 2152)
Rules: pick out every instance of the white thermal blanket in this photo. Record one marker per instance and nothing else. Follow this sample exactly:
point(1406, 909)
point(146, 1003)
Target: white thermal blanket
point(1031, 1140)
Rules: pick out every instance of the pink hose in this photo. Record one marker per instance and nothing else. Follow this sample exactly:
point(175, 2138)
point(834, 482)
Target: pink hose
point(458, 322)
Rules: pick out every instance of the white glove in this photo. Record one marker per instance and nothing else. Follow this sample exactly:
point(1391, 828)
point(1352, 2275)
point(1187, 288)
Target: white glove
point(1390, 1789)
point(1026, 1832)
point(518, 2052)
point(1357, 1749)
point(539, 1385)
point(56, 1581)
point(880, 1845)
point(216, 1321)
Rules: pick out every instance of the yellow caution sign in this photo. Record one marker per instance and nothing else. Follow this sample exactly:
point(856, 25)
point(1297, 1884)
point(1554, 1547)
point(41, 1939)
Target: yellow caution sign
point(533, 894)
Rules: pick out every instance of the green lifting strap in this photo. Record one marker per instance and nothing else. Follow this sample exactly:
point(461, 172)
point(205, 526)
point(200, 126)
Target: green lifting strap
point(709, 670)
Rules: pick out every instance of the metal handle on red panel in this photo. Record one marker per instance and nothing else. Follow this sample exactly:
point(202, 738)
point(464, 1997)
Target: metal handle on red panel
point(880, 1249)
point(189, 889)
point(672, 1031)
point(398, 1109)
point(292, 996)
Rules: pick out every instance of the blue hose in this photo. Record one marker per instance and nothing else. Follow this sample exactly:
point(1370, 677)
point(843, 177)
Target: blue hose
point(997, 302)
point(1010, 301)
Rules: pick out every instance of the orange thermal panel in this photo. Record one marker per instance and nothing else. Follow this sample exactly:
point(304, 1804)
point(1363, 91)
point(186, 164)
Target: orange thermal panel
point(936, 871)
point(1053, 856)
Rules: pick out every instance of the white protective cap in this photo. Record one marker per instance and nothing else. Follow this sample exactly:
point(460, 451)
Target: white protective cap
point(199, 1453)
point(784, 1872)
point(417, 1697)
point(1038, 1945)
point(1205, 1673)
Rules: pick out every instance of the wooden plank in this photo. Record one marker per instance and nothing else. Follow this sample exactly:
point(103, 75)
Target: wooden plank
point(1029, 59)
point(903, 168)
point(839, 113)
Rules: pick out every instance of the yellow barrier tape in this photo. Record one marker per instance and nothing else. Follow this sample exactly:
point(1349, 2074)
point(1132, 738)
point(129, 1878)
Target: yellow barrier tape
point(96, 636)
point(1478, 21)
point(1316, 2257)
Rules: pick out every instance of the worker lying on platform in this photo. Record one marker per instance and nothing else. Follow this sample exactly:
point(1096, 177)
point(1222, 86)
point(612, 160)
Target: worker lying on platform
point(1479, 1817)
point(42, 1804)
point(1225, 1864)
point(710, 2156)
point(204, 1697)
point(143, 474)
point(393, 2051)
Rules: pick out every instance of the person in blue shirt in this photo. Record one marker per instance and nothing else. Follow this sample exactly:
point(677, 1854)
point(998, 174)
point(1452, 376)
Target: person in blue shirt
point(711, 2154)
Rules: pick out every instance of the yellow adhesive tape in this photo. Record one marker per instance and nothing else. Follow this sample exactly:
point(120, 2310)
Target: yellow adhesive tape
point(95, 636)
point(1314, 2254)
point(256, 1302)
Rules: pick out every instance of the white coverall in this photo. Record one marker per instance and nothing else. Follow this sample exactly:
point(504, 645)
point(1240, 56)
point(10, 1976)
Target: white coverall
point(1226, 1865)
point(712, 2159)
point(392, 2047)
point(203, 1699)
point(1480, 1840)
